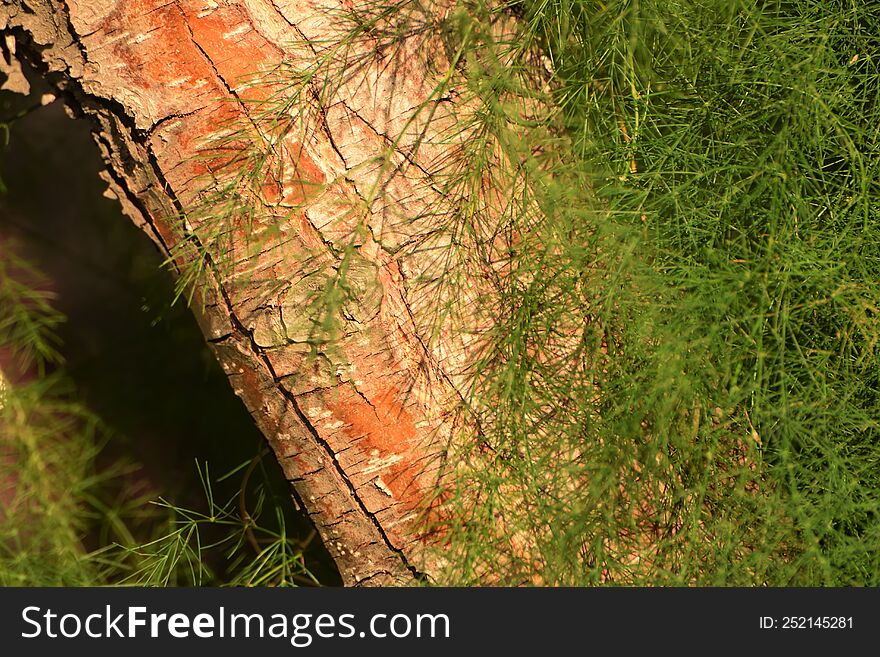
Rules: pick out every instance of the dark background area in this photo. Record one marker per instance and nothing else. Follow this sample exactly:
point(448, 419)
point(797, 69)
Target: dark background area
point(136, 358)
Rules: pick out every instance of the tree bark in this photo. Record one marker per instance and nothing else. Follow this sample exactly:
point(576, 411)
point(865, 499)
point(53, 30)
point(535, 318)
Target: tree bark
point(360, 429)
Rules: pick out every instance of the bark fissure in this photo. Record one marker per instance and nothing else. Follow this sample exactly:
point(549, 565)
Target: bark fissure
point(333, 454)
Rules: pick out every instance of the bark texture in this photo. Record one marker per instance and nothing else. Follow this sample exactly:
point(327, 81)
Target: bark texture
point(359, 431)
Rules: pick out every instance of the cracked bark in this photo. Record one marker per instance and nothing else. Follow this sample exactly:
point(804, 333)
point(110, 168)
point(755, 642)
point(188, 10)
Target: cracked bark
point(360, 435)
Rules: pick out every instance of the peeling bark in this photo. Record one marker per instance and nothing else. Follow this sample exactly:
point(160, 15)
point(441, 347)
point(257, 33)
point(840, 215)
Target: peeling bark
point(359, 430)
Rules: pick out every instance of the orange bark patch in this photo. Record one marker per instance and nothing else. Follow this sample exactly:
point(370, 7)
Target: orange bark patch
point(382, 428)
point(310, 237)
point(145, 56)
point(235, 49)
point(302, 177)
point(171, 58)
point(293, 180)
point(187, 152)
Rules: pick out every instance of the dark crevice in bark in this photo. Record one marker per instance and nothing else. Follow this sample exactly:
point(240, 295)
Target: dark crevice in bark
point(210, 62)
point(152, 129)
point(332, 454)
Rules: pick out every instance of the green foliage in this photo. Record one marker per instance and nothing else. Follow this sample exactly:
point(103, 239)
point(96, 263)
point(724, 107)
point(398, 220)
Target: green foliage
point(47, 444)
point(72, 514)
point(46, 466)
point(67, 519)
point(710, 416)
point(247, 548)
point(27, 319)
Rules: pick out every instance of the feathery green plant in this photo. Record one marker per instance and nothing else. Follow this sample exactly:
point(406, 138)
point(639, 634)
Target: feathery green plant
point(70, 517)
point(66, 521)
point(47, 443)
point(252, 550)
point(42, 476)
point(28, 319)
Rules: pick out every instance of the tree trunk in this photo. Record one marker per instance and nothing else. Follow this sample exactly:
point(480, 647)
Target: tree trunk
point(358, 427)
